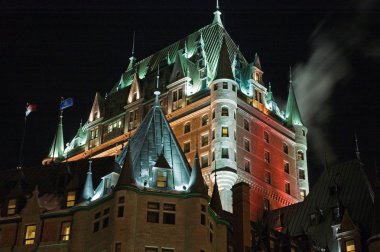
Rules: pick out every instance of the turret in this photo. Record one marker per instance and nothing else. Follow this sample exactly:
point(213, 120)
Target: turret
point(88, 188)
point(196, 183)
point(294, 120)
point(223, 125)
point(57, 147)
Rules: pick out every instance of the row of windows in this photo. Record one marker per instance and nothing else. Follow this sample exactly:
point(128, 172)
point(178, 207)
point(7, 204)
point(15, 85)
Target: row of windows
point(31, 230)
point(224, 86)
point(168, 213)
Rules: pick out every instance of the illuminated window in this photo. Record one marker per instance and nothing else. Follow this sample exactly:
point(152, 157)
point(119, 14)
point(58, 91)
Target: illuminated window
point(162, 177)
point(286, 167)
point(118, 247)
point(187, 128)
point(302, 194)
point(257, 77)
point(204, 161)
point(11, 207)
point(153, 213)
point(65, 231)
point(267, 177)
point(30, 234)
point(247, 165)
point(225, 85)
point(301, 174)
point(224, 131)
point(266, 204)
point(177, 98)
point(225, 153)
point(247, 145)
point(224, 111)
point(246, 125)
point(186, 147)
point(287, 187)
point(169, 214)
point(285, 148)
point(204, 120)
point(267, 157)
point(266, 137)
point(204, 140)
point(300, 155)
point(70, 200)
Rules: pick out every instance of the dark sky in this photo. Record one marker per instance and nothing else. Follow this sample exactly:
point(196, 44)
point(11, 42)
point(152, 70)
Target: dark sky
point(73, 49)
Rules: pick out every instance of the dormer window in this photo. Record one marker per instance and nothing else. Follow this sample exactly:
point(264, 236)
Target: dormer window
point(11, 207)
point(162, 178)
point(70, 200)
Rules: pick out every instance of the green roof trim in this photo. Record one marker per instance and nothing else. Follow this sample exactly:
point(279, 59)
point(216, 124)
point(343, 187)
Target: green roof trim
point(293, 115)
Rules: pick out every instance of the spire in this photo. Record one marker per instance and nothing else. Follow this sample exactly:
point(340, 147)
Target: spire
point(57, 147)
point(223, 69)
point(215, 202)
point(88, 189)
point(197, 184)
point(157, 92)
point(132, 59)
point(217, 14)
point(293, 115)
point(126, 177)
point(357, 147)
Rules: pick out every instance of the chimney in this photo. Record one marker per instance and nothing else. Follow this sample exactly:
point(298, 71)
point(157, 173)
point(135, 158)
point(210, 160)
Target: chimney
point(241, 217)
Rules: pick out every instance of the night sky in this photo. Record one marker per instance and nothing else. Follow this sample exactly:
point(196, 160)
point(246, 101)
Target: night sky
point(49, 50)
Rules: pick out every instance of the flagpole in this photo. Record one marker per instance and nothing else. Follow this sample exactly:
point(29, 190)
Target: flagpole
point(22, 145)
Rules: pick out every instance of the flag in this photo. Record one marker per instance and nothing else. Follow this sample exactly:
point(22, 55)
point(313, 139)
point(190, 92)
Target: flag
point(68, 102)
point(30, 108)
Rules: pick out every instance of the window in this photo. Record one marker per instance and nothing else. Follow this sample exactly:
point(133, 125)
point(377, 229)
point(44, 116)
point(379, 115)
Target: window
point(224, 131)
point(121, 199)
point(286, 167)
point(301, 174)
point(225, 85)
point(287, 187)
point(162, 178)
point(213, 134)
point(106, 217)
point(153, 214)
point(113, 125)
point(204, 140)
point(246, 125)
point(247, 145)
point(187, 128)
point(120, 208)
point(177, 98)
point(30, 234)
point(267, 177)
point(213, 114)
point(285, 148)
point(213, 155)
point(224, 152)
point(233, 88)
point(11, 207)
point(167, 250)
point(204, 120)
point(303, 133)
point(133, 115)
point(204, 161)
point(224, 111)
point(118, 247)
point(65, 231)
point(247, 165)
point(186, 147)
point(267, 156)
point(203, 215)
point(96, 225)
point(169, 214)
point(215, 86)
point(94, 134)
point(302, 194)
point(350, 246)
point(257, 77)
point(151, 249)
point(211, 232)
point(70, 200)
point(266, 204)
point(300, 155)
point(266, 137)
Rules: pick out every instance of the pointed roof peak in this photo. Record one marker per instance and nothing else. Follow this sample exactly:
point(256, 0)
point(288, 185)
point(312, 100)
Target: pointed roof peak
point(126, 176)
point(217, 13)
point(197, 184)
point(293, 115)
point(132, 59)
point(215, 202)
point(357, 147)
point(88, 188)
point(223, 68)
point(157, 92)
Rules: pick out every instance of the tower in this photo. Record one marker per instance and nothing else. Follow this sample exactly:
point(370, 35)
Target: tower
point(223, 126)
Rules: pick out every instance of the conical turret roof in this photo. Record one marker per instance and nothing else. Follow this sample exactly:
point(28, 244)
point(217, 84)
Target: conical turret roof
point(293, 115)
point(216, 203)
point(88, 188)
point(57, 148)
point(197, 184)
point(223, 69)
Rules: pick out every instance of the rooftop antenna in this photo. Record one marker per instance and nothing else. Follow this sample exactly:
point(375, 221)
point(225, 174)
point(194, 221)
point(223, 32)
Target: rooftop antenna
point(357, 147)
point(157, 92)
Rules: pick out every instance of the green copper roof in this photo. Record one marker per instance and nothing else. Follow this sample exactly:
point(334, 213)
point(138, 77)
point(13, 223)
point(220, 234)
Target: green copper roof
point(57, 147)
point(223, 70)
point(197, 184)
point(293, 115)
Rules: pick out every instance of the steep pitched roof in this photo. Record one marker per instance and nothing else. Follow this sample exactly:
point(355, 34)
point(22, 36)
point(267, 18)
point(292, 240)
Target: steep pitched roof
point(126, 177)
point(96, 109)
point(135, 88)
point(197, 184)
point(215, 202)
point(57, 146)
point(152, 139)
point(223, 69)
point(88, 188)
point(293, 115)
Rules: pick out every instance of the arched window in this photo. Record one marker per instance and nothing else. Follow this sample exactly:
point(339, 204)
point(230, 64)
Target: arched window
point(187, 128)
point(224, 111)
point(204, 121)
point(300, 155)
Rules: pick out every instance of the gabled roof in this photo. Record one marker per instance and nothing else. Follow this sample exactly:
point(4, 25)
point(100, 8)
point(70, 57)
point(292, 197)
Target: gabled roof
point(223, 69)
point(152, 139)
point(135, 88)
point(96, 108)
point(293, 115)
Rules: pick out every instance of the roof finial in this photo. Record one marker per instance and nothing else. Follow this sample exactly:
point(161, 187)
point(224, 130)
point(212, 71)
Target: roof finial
point(157, 92)
point(290, 74)
point(133, 43)
point(217, 4)
point(217, 14)
point(357, 147)
point(270, 87)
